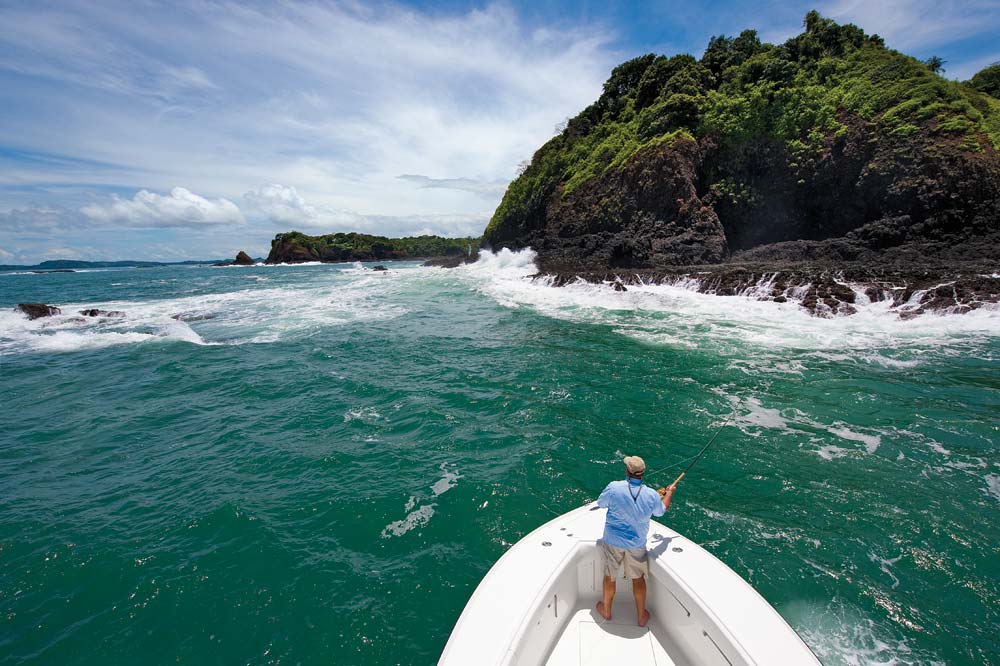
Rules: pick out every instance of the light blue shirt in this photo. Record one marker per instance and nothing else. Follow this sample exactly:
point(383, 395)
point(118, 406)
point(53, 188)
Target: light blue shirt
point(630, 506)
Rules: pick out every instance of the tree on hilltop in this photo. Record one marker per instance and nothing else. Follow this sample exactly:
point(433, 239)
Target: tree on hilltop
point(935, 64)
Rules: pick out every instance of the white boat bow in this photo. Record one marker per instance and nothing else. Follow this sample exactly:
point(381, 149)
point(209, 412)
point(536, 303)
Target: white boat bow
point(536, 606)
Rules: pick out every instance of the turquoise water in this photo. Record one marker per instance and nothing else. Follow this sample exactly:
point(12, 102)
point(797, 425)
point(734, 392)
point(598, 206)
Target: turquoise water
point(321, 464)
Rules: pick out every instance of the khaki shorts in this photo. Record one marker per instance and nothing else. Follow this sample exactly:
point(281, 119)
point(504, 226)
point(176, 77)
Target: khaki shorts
point(636, 561)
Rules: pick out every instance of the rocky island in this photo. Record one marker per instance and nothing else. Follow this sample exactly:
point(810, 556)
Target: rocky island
point(830, 168)
point(295, 247)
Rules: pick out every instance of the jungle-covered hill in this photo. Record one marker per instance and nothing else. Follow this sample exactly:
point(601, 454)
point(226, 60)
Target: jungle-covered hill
point(295, 247)
point(830, 147)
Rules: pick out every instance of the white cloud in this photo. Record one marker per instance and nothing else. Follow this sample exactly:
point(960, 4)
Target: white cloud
point(284, 206)
point(181, 208)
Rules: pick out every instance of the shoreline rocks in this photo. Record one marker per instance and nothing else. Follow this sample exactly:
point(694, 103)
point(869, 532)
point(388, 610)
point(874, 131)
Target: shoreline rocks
point(824, 291)
point(453, 261)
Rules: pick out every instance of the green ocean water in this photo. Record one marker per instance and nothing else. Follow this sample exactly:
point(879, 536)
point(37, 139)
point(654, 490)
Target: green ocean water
point(323, 461)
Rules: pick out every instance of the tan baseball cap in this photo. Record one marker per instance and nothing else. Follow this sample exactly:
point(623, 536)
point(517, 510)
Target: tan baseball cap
point(635, 464)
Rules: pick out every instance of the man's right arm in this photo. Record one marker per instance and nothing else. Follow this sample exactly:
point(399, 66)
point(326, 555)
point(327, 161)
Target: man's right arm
point(667, 494)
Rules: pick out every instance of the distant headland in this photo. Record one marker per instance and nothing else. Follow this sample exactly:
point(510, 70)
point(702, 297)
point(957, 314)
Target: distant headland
point(295, 247)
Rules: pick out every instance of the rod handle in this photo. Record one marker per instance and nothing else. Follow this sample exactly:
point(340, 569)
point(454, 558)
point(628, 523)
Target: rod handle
point(678, 479)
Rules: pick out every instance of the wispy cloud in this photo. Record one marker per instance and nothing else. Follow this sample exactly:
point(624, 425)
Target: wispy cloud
point(917, 25)
point(463, 184)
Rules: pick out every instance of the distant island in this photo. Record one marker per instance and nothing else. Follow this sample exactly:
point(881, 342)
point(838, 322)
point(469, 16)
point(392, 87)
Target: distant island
point(64, 265)
point(295, 247)
point(826, 158)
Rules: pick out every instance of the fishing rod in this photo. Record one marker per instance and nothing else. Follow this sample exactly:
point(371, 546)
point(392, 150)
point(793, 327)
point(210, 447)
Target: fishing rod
point(695, 458)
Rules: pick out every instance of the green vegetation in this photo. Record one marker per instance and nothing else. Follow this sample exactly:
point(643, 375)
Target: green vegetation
point(801, 94)
point(988, 80)
point(355, 246)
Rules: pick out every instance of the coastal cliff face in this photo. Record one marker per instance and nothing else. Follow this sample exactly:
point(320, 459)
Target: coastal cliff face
point(828, 148)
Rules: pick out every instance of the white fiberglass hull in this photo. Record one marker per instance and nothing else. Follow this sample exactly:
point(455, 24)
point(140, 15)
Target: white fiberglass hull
point(535, 607)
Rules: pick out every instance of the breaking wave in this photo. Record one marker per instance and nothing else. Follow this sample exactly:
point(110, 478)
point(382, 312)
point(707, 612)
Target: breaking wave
point(257, 314)
point(679, 315)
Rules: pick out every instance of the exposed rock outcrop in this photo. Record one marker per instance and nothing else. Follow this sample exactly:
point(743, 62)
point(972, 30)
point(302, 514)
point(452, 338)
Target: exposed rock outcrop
point(38, 310)
point(95, 312)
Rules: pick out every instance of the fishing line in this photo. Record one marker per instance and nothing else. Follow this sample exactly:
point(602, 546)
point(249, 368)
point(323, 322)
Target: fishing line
point(690, 459)
point(698, 455)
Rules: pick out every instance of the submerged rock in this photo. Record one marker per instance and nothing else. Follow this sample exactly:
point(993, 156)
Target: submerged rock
point(379, 268)
point(37, 310)
point(94, 312)
point(193, 316)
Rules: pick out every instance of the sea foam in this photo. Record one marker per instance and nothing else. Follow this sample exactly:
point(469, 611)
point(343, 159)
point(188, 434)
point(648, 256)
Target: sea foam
point(679, 315)
point(255, 313)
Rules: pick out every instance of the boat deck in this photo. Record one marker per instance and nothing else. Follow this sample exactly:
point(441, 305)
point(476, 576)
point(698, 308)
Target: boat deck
point(535, 607)
point(590, 640)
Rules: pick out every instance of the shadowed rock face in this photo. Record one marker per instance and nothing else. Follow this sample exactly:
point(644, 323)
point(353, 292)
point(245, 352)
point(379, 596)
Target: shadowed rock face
point(243, 259)
point(866, 195)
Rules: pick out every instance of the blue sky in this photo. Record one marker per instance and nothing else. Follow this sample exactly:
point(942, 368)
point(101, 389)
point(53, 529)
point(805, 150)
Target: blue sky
point(180, 130)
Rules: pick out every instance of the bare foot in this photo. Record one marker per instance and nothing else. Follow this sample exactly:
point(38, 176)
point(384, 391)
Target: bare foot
point(601, 611)
point(644, 618)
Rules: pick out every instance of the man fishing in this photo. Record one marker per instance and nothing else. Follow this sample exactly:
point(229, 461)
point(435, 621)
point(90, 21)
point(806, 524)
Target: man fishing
point(630, 505)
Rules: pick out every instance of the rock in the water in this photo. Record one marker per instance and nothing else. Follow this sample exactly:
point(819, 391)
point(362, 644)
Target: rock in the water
point(453, 261)
point(618, 286)
point(36, 310)
point(94, 312)
point(244, 259)
point(192, 316)
point(380, 267)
